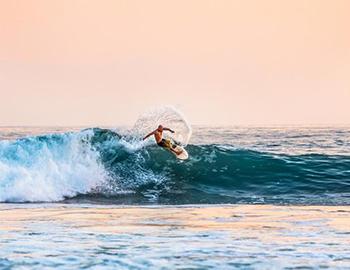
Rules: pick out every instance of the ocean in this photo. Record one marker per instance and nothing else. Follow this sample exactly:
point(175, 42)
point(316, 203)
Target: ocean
point(247, 198)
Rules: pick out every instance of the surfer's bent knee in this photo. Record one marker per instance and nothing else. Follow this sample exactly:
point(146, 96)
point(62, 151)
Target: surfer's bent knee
point(163, 143)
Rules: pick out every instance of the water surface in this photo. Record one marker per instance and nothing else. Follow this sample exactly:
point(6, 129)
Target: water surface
point(167, 237)
point(247, 198)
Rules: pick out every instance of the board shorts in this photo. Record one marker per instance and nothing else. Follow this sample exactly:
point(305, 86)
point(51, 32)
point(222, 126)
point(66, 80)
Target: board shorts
point(165, 143)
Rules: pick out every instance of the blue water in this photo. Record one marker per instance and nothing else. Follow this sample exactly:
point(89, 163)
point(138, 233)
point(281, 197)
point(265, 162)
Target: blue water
point(247, 198)
point(226, 165)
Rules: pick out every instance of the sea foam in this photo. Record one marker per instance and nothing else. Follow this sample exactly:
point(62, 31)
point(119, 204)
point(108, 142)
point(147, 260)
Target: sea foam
point(49, 168)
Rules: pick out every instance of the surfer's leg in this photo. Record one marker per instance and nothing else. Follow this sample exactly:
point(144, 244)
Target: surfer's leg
point(176, 152)
point(168, 145)
point(162, 143)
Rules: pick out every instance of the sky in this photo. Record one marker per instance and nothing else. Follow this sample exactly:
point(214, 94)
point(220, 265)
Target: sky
point(104, 62)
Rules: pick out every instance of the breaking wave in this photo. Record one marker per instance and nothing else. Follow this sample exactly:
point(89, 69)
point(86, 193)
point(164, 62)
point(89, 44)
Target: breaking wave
point(99, 165)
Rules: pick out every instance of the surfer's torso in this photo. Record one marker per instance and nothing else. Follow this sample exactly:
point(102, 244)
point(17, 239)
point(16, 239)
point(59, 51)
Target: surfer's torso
point(158, 135)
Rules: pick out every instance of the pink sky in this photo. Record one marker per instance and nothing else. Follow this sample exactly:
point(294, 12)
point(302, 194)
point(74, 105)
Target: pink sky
point(70, 62)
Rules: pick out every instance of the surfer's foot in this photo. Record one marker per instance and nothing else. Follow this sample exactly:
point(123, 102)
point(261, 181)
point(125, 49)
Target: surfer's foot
point(178, 152)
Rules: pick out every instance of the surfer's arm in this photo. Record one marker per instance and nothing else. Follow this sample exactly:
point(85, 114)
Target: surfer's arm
point(150, 134)
point(168, 129)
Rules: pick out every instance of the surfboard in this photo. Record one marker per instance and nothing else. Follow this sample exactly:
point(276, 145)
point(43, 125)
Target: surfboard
point(183, 155)
point(175, 146)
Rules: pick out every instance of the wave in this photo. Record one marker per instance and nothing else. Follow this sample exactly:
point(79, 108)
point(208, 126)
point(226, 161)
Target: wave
point(48, 168)
point(98, 165)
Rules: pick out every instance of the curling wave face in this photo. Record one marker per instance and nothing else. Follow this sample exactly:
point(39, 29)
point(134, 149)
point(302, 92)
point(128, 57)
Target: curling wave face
point(48, 168)
point(98, 165)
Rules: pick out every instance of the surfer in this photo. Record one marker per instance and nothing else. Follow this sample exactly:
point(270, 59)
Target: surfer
point(158, 135)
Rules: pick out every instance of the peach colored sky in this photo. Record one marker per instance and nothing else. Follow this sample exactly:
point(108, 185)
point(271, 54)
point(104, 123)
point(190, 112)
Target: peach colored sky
point(81, 62)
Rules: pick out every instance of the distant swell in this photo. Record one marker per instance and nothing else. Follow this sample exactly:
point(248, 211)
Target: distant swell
point(100, 166)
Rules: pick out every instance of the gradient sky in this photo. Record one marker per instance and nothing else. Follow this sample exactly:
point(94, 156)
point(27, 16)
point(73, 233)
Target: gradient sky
point(103, 62)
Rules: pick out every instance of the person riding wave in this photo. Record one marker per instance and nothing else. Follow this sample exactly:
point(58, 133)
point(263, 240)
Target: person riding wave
point(158, 135)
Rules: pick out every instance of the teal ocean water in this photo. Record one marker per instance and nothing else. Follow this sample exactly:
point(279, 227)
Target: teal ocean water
point(226, 165)
point(247, 198)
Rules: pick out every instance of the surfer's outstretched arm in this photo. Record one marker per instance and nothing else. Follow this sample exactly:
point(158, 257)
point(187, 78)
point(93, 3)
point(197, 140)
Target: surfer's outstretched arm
point(150, 134)
point(168, 129)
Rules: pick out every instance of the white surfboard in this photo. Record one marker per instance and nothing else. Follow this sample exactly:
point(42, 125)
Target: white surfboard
point(178, 148)
point(183, 155)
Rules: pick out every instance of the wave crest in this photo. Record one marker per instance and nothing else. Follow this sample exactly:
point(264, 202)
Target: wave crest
point(99, 163)
point(49, 168)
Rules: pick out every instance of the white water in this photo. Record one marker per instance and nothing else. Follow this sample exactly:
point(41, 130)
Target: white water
point(167, 116)
point(48, 168)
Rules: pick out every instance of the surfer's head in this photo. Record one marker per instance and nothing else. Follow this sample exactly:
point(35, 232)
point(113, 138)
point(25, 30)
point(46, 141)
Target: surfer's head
point(160, 128)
